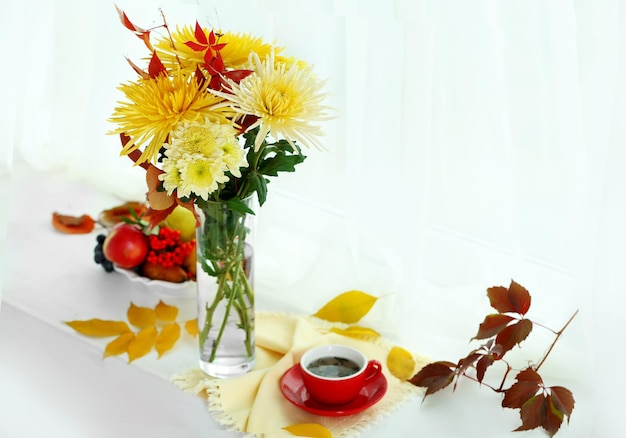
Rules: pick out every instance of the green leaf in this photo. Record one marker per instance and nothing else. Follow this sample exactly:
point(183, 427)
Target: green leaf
point(238, 205)
point(280, 163)
point(260, 184)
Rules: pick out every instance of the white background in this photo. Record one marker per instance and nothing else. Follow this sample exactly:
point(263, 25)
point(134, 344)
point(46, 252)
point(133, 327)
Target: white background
point(476, 142)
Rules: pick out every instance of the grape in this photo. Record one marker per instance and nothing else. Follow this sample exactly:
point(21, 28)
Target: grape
point(98, 254)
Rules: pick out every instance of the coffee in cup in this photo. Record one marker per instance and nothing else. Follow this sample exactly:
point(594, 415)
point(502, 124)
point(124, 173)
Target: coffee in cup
point(335, 374)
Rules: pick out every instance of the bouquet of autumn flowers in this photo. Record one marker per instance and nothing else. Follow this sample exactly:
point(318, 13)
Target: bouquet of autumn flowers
point(200, 118)
point(212, 116)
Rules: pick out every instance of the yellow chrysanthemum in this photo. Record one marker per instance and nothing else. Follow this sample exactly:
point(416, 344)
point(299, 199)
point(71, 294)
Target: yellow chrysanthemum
point(199, 156)
point(157, 106)
point(234, 54)
point(285, 98)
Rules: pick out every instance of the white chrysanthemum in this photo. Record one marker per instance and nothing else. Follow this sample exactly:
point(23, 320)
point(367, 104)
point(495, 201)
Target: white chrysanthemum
point(286, 99)
point(200, 175)
point(198, 158)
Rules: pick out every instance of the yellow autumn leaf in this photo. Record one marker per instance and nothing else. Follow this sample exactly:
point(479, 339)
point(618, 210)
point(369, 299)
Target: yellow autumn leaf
point(311, 430)
point(357, 332)
point(119, 345)
point(99, 327)
point(141, 316)
point(166, 312)
point(191, 327)
point(142, 343)
point(167, 338)
point(348, 307)
point(400, 363)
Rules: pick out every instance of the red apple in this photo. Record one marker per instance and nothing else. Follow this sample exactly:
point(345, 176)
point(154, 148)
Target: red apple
point(126, 246)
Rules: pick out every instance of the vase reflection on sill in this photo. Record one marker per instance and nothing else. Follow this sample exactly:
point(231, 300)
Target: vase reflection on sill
point(225, 282)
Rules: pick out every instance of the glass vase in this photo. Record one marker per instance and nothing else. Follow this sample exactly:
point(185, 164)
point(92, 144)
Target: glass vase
point(225, 282)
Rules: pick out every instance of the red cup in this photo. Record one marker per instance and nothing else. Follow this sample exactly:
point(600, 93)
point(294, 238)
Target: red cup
point(331, 389)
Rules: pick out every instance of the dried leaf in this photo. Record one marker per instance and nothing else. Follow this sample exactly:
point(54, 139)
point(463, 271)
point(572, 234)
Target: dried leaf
point(514, 334)
point(348, 307)
point(141, 316)
point(99, 327)
point(167, 338)
point(166, 312)
point(311, 430)
point(191, 327)
point(73, 224)
point(492, 325)
point(400, 363)
point(119, 345)
point(142, 343)
point(434, 376)
point(357, 332)
point(122, 213)
point(158, 200)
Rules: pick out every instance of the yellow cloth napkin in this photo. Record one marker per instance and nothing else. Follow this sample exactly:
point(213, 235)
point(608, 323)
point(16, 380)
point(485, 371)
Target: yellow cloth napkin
point(254, 403)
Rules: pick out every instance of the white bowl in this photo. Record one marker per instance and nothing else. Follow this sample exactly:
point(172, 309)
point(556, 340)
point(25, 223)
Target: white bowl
point(179, 290)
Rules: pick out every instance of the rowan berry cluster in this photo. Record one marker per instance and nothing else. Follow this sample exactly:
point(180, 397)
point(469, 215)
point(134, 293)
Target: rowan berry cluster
point(166, 248)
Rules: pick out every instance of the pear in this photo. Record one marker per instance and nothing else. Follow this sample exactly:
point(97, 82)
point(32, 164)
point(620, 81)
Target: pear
point(182, 220)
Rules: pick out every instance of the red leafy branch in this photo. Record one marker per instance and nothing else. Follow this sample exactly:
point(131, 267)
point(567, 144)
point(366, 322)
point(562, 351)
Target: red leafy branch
point(539, 405)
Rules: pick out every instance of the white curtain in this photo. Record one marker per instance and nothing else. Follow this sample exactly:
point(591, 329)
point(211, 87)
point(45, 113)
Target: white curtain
point(476, 142)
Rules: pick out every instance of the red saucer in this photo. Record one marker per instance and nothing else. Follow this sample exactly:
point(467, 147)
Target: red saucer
point(293, 389)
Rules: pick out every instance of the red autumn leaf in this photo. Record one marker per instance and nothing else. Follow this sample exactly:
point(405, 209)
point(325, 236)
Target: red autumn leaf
point(554, 417)
point(492, 325)
point(434, 376)
point(514, 299)
point(519, 297)
point(563, 400)
point(527, 385)
point(514, 334)
point(533, 413)
point(73, 224)
point(200, 35)
point(156, 67)
point(468, 361)
point(536, 408)
point(499, 299)
point(141, 33)
point(238, 75)
point(195, 46)
point(215, 65)
point(481, 366)
point(138, 70)
point(127, 23)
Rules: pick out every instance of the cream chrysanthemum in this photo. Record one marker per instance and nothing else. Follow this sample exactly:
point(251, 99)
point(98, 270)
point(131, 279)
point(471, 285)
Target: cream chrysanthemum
point(285, 98)
point(198, 158)
point(234, 54)
point(157, 106)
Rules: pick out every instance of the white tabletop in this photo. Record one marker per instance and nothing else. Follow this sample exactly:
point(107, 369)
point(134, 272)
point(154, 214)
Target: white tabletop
point(54, 382)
